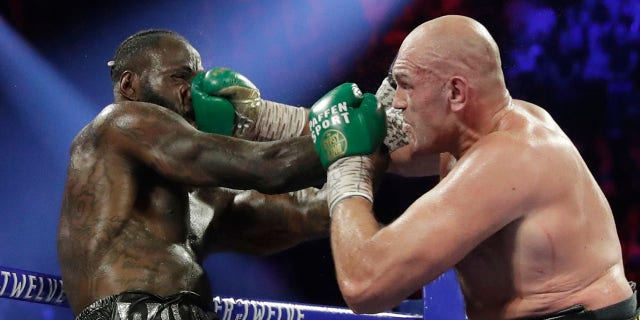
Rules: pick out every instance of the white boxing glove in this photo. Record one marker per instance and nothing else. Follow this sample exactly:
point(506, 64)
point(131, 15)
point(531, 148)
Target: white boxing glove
point(396, 136)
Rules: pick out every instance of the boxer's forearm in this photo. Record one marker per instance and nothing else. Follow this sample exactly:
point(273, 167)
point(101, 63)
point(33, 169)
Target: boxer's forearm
point(255, 223)
point(226, 102)
point(352, 226)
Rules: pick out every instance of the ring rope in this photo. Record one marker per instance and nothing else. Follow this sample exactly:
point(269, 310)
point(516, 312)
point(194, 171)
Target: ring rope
point(31, 286)
point(48, 289)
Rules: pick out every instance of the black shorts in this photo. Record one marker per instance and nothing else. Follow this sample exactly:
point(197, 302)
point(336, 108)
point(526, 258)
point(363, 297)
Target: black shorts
point(131, 305)
point(624, 310)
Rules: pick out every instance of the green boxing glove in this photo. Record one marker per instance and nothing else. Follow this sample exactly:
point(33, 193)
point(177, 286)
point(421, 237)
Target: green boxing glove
point(347, 125)
point(226, 102)
point(345, 122)
point(213, 94)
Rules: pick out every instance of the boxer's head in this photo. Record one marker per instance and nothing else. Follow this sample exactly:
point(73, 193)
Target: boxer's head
point(156, 66)
point(448, 73)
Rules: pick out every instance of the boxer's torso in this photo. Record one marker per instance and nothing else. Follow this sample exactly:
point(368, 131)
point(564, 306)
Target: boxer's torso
point(562, 249)
point(124, 227)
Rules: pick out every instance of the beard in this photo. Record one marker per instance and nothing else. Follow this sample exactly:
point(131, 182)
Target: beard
point(150, 96)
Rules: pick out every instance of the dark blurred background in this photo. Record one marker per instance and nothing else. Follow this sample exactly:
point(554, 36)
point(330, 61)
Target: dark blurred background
point(577, 59)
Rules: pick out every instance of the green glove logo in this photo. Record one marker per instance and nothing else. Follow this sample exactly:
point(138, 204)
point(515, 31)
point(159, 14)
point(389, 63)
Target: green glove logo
point(345, 122)
point(334, 143)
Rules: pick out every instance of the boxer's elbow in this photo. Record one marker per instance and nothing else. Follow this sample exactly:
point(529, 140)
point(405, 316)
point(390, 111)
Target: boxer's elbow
point(360, 296)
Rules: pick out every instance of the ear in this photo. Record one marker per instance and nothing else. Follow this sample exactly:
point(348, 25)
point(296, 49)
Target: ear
point(458, 91)
point(129, 84)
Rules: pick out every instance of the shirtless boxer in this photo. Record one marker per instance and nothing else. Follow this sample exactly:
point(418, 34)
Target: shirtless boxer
point(517, 214)
point(144, 204)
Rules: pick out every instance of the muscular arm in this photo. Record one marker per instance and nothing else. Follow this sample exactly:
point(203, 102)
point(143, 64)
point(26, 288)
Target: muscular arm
point(165, 142)
point(377, 267)
point(255, 223)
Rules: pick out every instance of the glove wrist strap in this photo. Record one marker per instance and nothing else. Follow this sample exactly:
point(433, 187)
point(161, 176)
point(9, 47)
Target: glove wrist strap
point(279, 121)
point(348, 177)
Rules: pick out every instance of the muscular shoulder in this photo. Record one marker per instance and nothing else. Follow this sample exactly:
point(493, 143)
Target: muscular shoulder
point(501, 148)
point(131, 114)
point(128, 121)
point(109, 115)
point(527, 152)
point(527, 133)
point(534, 158)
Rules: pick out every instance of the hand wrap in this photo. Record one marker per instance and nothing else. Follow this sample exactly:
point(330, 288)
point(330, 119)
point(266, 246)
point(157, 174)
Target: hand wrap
point(226, 102)
point(277, 121)
point(348, 177)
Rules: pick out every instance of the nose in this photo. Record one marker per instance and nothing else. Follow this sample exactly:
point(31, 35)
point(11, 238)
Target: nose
point(185, 94)
point(399, 99)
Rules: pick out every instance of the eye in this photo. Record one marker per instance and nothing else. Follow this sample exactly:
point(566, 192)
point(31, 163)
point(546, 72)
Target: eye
point(400, 81)
point(184, 74)
point(393, 82)
point(402, 84)
point(181, 77)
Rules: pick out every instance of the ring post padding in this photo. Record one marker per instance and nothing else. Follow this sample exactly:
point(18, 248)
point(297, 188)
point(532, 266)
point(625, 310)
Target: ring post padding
point(443, 299)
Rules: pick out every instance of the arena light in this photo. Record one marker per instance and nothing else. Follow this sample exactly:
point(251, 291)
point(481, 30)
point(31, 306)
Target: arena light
point(42, 101)
point(294, 51)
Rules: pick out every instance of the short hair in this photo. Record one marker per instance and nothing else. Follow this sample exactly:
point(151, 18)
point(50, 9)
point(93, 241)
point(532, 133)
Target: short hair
point(135, 45)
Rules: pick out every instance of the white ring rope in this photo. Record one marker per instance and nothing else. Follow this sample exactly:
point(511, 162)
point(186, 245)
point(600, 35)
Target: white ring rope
point(48, 289)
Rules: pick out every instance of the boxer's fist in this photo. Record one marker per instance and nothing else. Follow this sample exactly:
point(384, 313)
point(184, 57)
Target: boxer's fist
point(345, 122)
point(213, 114)
point(219, 84)
point(226, 102)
